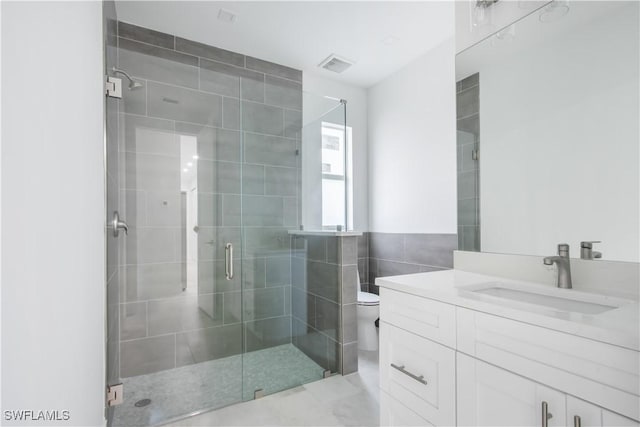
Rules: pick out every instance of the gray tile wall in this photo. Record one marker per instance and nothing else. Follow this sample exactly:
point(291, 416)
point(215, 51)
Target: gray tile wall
point(468, 141)
point(324, 300)
point(391, 254)
point(245, 114)
point(363, 261)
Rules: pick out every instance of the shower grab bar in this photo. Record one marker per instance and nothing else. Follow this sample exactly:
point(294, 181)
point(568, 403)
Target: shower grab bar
point(228, 258)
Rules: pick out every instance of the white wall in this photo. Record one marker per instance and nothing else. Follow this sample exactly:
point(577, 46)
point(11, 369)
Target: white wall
point(53, 295)
point(412, 146)
point(356, 118)
point(566, 170)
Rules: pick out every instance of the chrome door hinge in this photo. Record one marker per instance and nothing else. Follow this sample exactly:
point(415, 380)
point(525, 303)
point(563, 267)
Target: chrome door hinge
point(115, 394)
point(475, 154)
point(113, 87)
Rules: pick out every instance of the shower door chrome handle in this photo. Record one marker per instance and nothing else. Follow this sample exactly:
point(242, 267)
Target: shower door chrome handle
point(228, 258)
point(118, 225)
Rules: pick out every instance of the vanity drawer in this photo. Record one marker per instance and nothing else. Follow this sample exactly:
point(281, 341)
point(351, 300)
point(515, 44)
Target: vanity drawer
point(393, 413)
point(597, 372)
point(422, 316)
point(419, 373)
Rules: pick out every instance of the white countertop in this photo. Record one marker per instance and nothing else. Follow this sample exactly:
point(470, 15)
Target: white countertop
point(619, 326)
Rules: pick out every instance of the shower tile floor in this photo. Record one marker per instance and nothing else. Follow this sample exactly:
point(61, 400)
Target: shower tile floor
point(178, 392)
point(350, 400)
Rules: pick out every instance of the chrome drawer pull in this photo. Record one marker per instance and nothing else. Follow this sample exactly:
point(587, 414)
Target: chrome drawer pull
point(577, 422)
point(420, 378)
point(546, 415)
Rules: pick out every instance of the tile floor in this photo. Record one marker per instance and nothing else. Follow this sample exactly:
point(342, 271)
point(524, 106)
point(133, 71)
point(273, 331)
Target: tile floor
point(213, 384)
point(351, 400)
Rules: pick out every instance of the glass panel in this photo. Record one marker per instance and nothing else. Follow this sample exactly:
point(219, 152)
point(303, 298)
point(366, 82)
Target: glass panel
point(270, 207)
point(326, 166)
point(179, 184)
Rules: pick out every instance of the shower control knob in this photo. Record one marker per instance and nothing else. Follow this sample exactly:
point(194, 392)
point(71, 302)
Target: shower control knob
point(118, 225)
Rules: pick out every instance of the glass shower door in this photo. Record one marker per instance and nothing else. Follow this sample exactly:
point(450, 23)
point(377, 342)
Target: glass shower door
point(174, 161)
point(204, 164)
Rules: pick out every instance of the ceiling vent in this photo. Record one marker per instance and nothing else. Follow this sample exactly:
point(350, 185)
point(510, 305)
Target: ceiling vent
point(335, 63)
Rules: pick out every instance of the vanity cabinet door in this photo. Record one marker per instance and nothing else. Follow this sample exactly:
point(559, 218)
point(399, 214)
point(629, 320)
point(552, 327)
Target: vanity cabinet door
point(589, 415)
point(610, 419)
point(395, 414)
point(490, 396)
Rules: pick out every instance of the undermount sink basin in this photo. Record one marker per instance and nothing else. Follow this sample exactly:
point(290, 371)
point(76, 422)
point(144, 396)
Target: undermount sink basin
point(558, 299)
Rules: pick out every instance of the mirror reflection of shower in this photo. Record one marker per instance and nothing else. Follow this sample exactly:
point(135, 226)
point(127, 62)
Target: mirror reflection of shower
point(189, 202)
point(133, 83)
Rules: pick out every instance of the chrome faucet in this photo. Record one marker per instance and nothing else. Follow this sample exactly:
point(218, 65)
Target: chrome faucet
point(563, 262)
point(587, 252)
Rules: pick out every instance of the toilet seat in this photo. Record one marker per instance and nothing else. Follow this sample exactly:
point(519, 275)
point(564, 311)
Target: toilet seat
point(367, 298)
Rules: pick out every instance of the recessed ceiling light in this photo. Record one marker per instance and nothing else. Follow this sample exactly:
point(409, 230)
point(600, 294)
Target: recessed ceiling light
point(195, 157)
point(185, 170)
point(227, 16)
point(189, 164)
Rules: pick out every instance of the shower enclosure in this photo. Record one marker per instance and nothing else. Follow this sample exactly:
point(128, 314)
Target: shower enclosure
point(468, 165)
point(205, 168)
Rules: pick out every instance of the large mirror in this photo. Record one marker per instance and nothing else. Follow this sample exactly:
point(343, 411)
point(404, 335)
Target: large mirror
point(548, 133)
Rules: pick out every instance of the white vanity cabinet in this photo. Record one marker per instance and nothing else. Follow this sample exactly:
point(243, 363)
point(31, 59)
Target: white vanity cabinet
point(589, 415)
point(610, 419)
point(491, 396)
point(419, 373)
point(446, 365)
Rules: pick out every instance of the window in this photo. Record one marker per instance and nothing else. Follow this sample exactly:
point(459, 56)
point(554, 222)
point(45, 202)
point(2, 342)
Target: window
point(336, 176)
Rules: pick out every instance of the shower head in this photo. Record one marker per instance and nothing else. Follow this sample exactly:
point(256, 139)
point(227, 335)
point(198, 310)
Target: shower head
point(133, 84)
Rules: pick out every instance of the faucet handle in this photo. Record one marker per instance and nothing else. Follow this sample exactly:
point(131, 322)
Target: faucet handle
point(588, 244)
point(563, 249)
point(586, 250)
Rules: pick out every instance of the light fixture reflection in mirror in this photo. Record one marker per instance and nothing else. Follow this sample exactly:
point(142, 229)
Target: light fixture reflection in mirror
point(507, 34)
point(541, 110)
point(554, 11)
point(482, 13)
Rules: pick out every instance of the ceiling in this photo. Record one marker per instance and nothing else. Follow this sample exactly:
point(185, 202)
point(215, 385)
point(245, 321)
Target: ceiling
point(380, 37)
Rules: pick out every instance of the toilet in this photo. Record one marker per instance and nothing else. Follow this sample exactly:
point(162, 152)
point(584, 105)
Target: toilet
point(368, 311)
